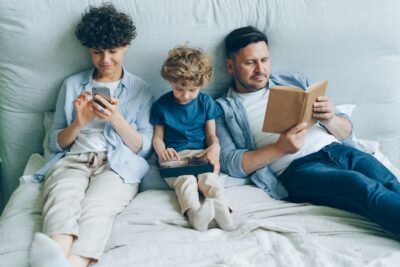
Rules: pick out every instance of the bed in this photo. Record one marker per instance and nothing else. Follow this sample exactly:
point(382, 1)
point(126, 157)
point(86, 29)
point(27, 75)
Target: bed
point(353, 44)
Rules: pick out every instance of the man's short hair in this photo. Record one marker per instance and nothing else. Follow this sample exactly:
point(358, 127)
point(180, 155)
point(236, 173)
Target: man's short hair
point(104, 28)
point(241, 37)
point(188, 66)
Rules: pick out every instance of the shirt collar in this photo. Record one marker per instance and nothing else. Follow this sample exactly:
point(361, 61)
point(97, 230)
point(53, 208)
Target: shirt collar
point(89, 77)
point(232, 92)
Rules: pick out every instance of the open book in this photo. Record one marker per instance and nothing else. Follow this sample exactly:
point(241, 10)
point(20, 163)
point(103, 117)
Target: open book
point(288, 106)
point(188, 165)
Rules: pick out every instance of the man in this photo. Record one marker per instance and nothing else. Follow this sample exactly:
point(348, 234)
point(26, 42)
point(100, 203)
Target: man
point(303, 164)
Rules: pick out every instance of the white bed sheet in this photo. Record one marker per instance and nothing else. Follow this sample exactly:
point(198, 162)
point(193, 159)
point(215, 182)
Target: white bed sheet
point(152, 232)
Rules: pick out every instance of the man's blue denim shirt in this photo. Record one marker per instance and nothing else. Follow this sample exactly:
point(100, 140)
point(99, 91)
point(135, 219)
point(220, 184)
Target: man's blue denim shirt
point(135, 100)
point(235, 137)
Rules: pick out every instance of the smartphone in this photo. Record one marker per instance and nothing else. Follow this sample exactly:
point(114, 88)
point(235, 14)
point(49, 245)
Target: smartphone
point(103, 92)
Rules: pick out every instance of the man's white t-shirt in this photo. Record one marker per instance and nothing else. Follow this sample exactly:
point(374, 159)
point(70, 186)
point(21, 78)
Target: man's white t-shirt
point(255, 104)
point(91, 137)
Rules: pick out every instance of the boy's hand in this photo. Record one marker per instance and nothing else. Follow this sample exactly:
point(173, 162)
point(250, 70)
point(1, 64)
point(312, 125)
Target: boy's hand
point(84, 109)
point(211, 153)
point(168, 154)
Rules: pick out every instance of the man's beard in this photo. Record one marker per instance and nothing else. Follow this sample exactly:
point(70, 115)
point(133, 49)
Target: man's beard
point(250, 88)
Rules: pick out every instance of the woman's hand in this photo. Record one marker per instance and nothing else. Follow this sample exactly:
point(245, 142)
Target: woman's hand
point(109, 112)
point(84, 115)
point(84, 109)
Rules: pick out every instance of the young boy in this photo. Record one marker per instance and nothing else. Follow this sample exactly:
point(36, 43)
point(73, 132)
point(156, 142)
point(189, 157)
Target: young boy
point(184, 121)
point(89, 184)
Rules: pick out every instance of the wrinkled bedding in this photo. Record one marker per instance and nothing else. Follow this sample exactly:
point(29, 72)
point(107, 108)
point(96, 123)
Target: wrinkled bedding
point(152, 232)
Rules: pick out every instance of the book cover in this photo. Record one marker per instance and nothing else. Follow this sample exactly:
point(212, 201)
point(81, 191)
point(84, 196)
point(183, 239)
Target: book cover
point(192, 165)
point(288, 106)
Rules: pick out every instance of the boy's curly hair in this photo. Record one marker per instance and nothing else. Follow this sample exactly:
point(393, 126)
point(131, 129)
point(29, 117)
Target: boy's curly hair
point(188, 66)
point(104, 28)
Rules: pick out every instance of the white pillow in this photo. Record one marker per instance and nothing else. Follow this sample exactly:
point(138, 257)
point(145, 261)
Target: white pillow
point(368, 146)
point(346, 109)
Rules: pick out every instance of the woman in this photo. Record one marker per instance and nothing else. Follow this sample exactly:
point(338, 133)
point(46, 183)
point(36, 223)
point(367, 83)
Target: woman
point(101, 145)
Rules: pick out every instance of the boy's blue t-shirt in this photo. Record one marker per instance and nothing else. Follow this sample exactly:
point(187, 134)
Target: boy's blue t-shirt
point(184, 124)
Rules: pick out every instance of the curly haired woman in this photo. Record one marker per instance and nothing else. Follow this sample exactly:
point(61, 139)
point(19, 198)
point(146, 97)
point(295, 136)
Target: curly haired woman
point(86, 182)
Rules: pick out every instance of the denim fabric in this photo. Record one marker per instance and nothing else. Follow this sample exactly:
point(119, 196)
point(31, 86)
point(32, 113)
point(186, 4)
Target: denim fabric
point(235, 136)
point(343, 177)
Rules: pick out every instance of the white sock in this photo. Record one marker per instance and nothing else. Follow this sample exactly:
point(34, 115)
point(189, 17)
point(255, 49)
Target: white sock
point(223, 216)
point(201, 217)
point(45, 252)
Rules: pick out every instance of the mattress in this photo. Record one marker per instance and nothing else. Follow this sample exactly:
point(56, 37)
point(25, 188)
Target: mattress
point(152, 232)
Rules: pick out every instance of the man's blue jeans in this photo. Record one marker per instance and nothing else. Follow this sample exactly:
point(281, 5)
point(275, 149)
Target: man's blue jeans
point(343, 177)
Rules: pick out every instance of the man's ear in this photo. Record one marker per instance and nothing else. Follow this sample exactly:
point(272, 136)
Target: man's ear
point(229, 65)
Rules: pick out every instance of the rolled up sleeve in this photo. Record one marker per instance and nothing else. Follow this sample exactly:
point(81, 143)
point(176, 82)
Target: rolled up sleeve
point(231, 157)
point(53, 141)
point(59, 121)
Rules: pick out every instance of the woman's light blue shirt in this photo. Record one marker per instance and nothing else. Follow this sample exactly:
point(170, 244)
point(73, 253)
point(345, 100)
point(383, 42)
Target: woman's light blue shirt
point(135, 100)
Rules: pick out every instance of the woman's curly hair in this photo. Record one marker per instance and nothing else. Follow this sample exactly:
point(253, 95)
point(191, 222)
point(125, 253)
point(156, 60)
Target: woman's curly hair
point(188, 66)
point(104, 28)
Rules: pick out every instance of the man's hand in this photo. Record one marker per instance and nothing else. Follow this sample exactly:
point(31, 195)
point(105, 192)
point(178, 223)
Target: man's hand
point(323, 110)
point(288, 143)
point(338, 126)
point(211, 153)
point(84, 109)
point(292, 140)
